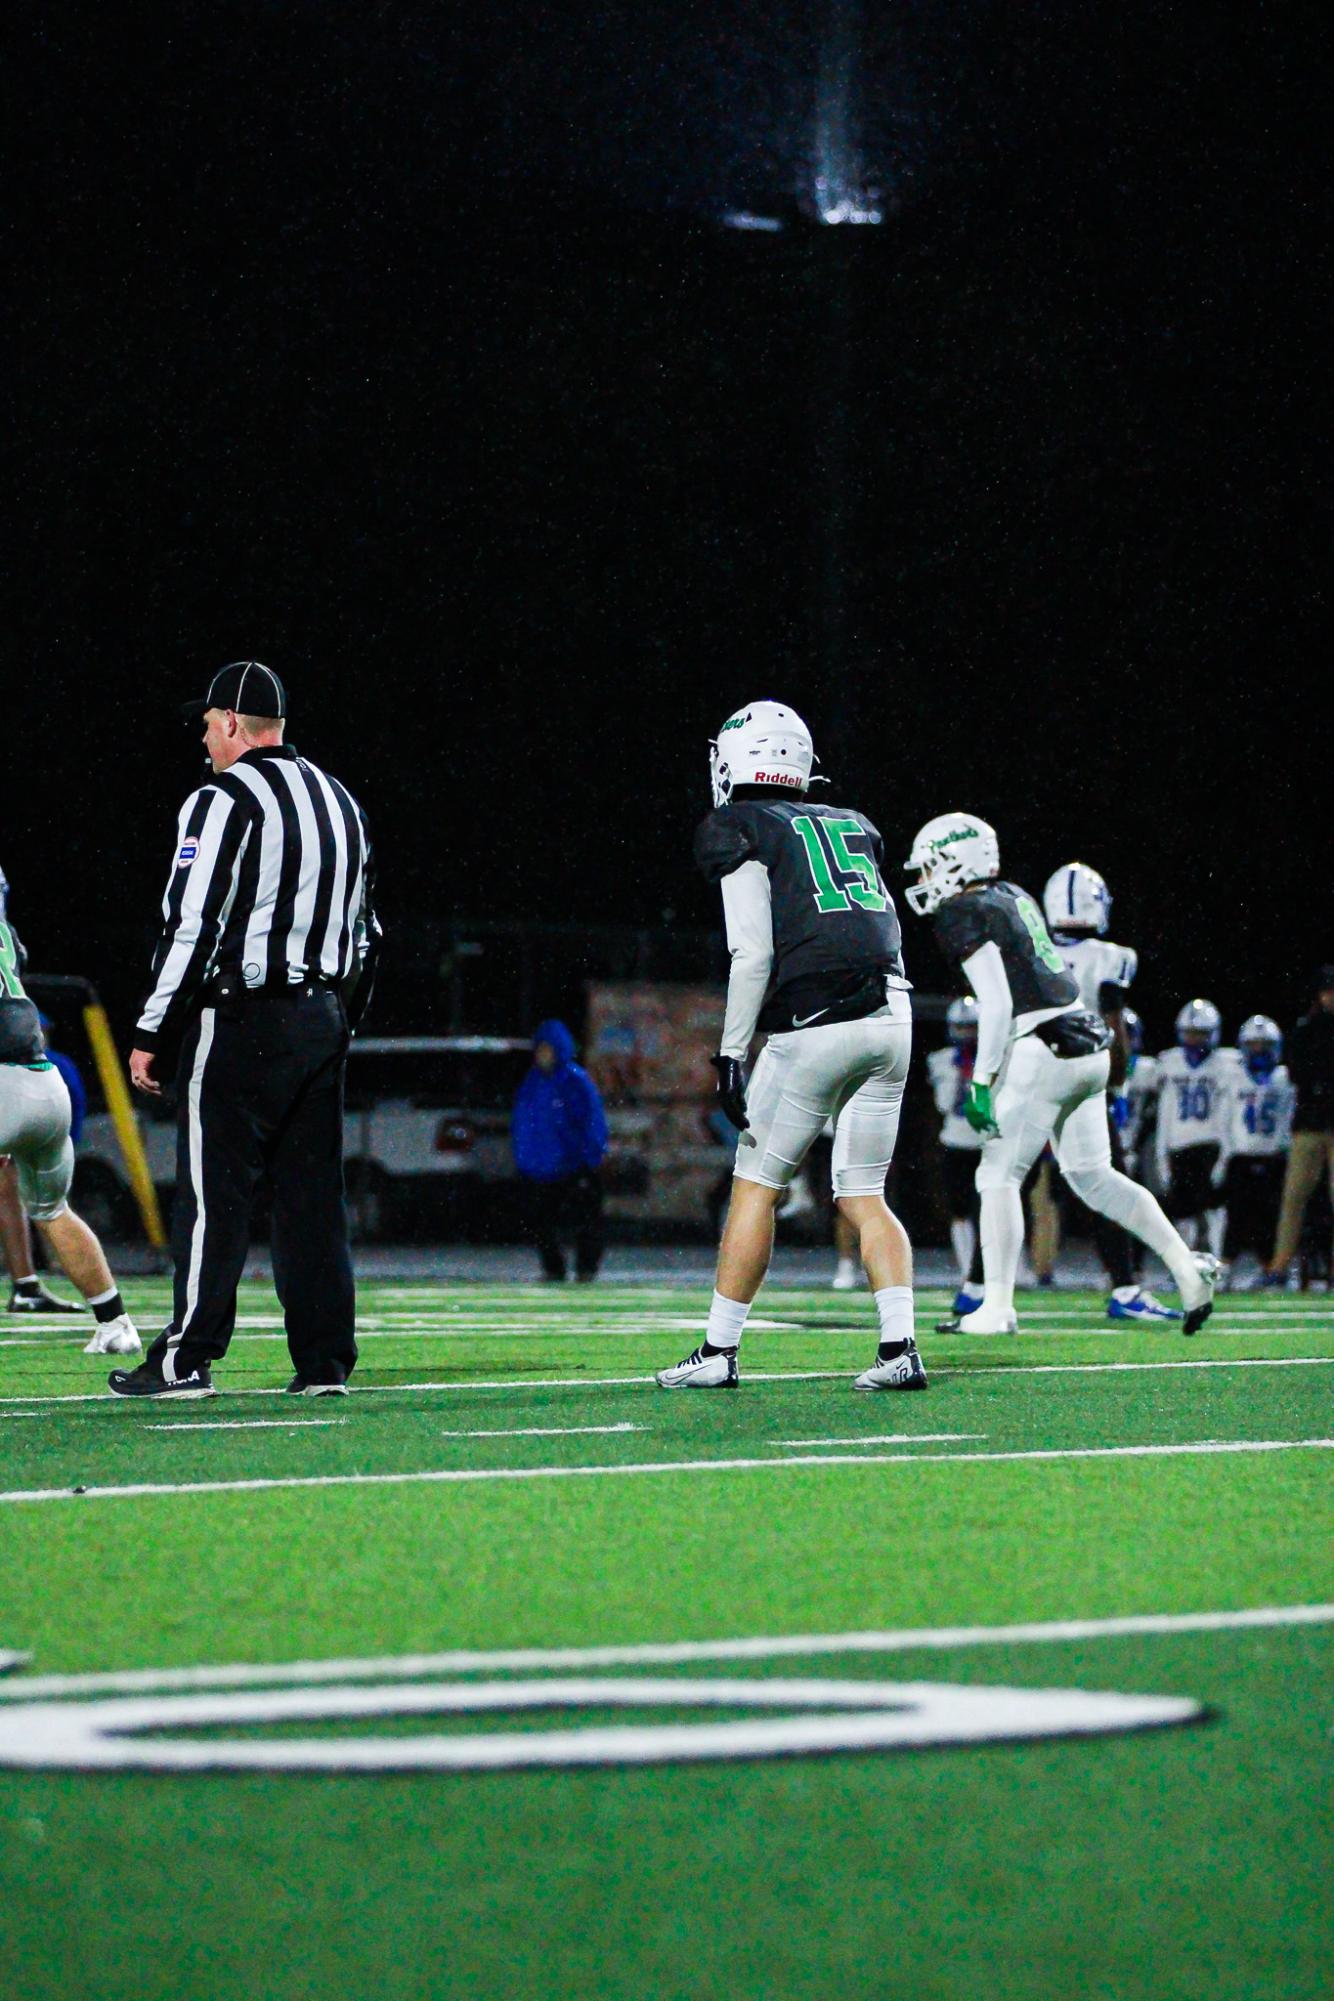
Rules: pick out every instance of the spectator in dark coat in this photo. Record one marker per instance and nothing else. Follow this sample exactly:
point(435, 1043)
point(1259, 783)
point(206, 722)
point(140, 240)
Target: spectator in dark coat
point(1311, 1067)
point(559, 1134)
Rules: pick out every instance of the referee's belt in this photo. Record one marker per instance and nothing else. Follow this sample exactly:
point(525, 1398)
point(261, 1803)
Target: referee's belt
point(229, 989)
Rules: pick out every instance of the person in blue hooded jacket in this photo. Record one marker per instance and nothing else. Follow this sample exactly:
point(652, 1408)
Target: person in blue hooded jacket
point(559, 1135)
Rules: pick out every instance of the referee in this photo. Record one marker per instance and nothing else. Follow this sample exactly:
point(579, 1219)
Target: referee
point(263, 967)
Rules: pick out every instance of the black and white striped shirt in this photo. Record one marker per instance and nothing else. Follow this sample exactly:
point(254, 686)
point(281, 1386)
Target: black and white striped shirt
point(272, 876)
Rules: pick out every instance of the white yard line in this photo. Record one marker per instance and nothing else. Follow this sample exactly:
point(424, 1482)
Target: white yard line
point(575, 1332)
point(547, 1431)
point(501, 1383)
point(891, 1438)
point(248, 1424)
point(484, 1324)
point(1118, 1368)
point(105, 1398)
point(472, 1475)
point(786, 1646)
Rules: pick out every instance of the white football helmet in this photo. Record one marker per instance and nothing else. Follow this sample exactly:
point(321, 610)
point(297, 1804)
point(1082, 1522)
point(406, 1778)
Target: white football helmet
point(1077, 899)
point(1260, 1028)
point(762, 744)
point(1260, 1040)
point(951, 851)
point(961, 1020)
point(1199, 1026)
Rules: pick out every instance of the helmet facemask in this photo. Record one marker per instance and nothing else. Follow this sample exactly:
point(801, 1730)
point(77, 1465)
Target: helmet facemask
point(720, 774)
point(941, 877)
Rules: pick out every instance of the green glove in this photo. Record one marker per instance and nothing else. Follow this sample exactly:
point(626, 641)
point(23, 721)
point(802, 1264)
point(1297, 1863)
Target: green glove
point(978, 1111)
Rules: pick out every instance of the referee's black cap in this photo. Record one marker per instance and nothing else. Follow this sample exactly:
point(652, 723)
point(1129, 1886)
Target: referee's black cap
point(247, 686)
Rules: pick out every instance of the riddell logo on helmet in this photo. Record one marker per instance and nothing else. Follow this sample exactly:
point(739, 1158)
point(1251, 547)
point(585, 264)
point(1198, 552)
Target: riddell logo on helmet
point(777, 778)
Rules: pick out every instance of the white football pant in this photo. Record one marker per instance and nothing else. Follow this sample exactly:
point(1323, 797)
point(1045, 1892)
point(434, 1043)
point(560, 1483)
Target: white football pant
point(34, 1129)
point(852, 1072)
point(1062, 1099)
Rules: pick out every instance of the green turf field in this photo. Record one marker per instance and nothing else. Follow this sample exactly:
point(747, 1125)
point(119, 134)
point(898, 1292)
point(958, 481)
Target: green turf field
point(619, 1605)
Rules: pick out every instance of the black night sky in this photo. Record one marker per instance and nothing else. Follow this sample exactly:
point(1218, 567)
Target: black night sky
point(405, 348)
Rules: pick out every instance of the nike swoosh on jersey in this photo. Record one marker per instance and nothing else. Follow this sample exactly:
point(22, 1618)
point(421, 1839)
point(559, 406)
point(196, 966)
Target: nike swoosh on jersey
point(805, 1020)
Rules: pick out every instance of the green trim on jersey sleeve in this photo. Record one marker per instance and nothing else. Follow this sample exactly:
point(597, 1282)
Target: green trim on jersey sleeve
point(11, 986)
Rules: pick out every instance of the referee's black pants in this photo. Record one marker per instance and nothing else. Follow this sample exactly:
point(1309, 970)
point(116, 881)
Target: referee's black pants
point(260, 1093)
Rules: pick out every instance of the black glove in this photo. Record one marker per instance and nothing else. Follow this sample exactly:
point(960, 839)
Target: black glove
point(731, 1090)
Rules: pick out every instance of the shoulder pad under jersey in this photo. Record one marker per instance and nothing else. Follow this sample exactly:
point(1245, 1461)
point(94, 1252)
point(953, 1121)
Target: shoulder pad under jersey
point(723, 841)
point(962, 926)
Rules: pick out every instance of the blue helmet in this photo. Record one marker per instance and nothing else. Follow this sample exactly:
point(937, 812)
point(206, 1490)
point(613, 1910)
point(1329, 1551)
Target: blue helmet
point(1260, 1040)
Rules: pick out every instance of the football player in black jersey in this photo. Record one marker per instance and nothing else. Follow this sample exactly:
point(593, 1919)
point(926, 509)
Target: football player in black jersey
point(817, 964)
point(1041, 1068)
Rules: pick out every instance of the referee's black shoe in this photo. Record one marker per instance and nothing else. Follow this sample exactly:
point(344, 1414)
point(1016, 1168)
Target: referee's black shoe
point(330, 1386)
point(147, 1381)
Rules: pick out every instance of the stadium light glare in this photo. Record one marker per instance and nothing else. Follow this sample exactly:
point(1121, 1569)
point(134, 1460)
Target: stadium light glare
point(842, 194)
point(740, 218)
point(853, 208)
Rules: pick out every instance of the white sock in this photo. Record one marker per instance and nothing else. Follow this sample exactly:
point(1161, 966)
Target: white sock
point(963, 1240)
point(103, 1297)
point(894, 1305)
point(847, 1268)
point(1216, 1221)
point(1002, 1242)
point(727, 1317)
point(28, 1278)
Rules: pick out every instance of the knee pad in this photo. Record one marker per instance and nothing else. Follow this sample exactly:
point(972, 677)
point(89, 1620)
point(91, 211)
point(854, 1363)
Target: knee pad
point(47, 1212)
point(1098, 1188)
point(1000, 1171)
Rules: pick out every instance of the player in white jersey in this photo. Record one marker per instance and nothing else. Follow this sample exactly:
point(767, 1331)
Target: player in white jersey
point(1256, 1138)
point(1192, 1119)
point(951, 1072)
point(1078, 907)
point(1134, 1107)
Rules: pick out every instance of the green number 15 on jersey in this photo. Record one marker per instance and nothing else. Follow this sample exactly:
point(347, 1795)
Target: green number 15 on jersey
point(842, 876)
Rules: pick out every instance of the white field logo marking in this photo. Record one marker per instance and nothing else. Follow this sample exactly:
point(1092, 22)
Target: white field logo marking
point(817, 1717)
